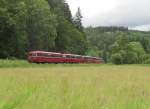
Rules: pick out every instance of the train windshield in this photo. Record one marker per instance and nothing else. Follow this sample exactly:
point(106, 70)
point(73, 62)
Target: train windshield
point(32, 54)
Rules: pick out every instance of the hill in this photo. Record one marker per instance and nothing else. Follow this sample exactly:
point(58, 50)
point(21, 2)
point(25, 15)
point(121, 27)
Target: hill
point(118, 43)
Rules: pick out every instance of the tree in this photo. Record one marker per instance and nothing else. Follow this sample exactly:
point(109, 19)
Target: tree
point(56, 3)
point(117, 58)
point(41, 25)
point(112, 40)
point(12, 34)
point(69, 39)
point(130, 53)
point(67, 12)
point(137, 48)
point(27, 25)
point(78, 20)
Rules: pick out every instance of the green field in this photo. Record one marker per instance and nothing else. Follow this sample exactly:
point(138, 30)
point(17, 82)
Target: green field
point(29, 86)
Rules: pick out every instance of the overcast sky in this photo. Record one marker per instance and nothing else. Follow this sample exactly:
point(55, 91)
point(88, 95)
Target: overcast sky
point(132, 13)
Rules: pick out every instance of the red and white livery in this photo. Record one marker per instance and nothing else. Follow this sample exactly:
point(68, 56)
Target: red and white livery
point(53, 57)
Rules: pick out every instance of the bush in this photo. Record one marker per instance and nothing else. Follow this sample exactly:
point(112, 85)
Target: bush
point(131, 58)
point(128, 53)
point(117, 58)
point(146, 59)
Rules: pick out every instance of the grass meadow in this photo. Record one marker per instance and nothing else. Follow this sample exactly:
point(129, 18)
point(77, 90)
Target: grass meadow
point(50, 86)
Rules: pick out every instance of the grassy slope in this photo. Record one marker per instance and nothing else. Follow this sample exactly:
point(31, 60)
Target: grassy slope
point(75, 87)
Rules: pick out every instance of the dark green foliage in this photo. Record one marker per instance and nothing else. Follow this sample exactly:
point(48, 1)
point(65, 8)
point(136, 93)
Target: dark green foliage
point(67, 12)
point(107, 29)
point(56, 3)
point(27, 25)
point(41, 25)
point(70, 39)
point(93, 51)
point(146, 59)
point(12, 34)
point(131, 52)
point(119, 46)
point(117, 58)
point(78, 20)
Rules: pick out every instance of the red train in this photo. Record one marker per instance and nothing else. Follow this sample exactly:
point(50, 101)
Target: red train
point(52, 57)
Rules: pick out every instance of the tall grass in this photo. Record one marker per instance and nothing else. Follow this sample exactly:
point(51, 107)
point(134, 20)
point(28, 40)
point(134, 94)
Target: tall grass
point(74, 87)
point(13, 63)
point(26, 64)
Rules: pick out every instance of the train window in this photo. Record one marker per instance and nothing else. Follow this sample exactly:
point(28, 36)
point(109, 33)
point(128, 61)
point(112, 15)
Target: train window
point(68, 56)
point(42, 54)
point(73, 57)
point(78, 56)
point(32, 54)
point(39, 54)
point(64, 56)
point(45, 54)
point(29, 54)
point(55, 55)
point(48, 55)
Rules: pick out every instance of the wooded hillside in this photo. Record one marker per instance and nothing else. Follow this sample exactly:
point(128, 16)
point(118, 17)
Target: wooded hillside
point(27, 25)
point(119, 45)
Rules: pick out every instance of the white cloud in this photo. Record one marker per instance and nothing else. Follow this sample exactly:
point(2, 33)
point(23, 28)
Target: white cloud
point(141, 27)
point(91, 8)
point(133, 13)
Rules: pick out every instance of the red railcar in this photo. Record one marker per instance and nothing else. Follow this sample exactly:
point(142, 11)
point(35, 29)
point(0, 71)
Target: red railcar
point(52, 57)
point(45, 57)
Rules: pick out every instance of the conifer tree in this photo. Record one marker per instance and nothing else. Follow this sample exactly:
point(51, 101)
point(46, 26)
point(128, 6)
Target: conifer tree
point(67, 12)
point(78, 20)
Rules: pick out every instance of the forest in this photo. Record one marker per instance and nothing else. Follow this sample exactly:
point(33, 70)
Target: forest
point(119, 45)
point(27, 25)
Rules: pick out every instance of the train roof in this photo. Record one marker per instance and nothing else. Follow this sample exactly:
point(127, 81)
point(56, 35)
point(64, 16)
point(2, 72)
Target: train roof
point(67, 54)
point(72, 54)
point(44, 52)
point(91, 57)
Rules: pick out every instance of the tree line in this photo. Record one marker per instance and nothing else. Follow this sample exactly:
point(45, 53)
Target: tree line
point(119, 45)
point(27, 25)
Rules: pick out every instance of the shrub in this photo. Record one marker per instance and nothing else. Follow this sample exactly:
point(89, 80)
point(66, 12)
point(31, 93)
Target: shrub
point(117, 58)
point(146, 59)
